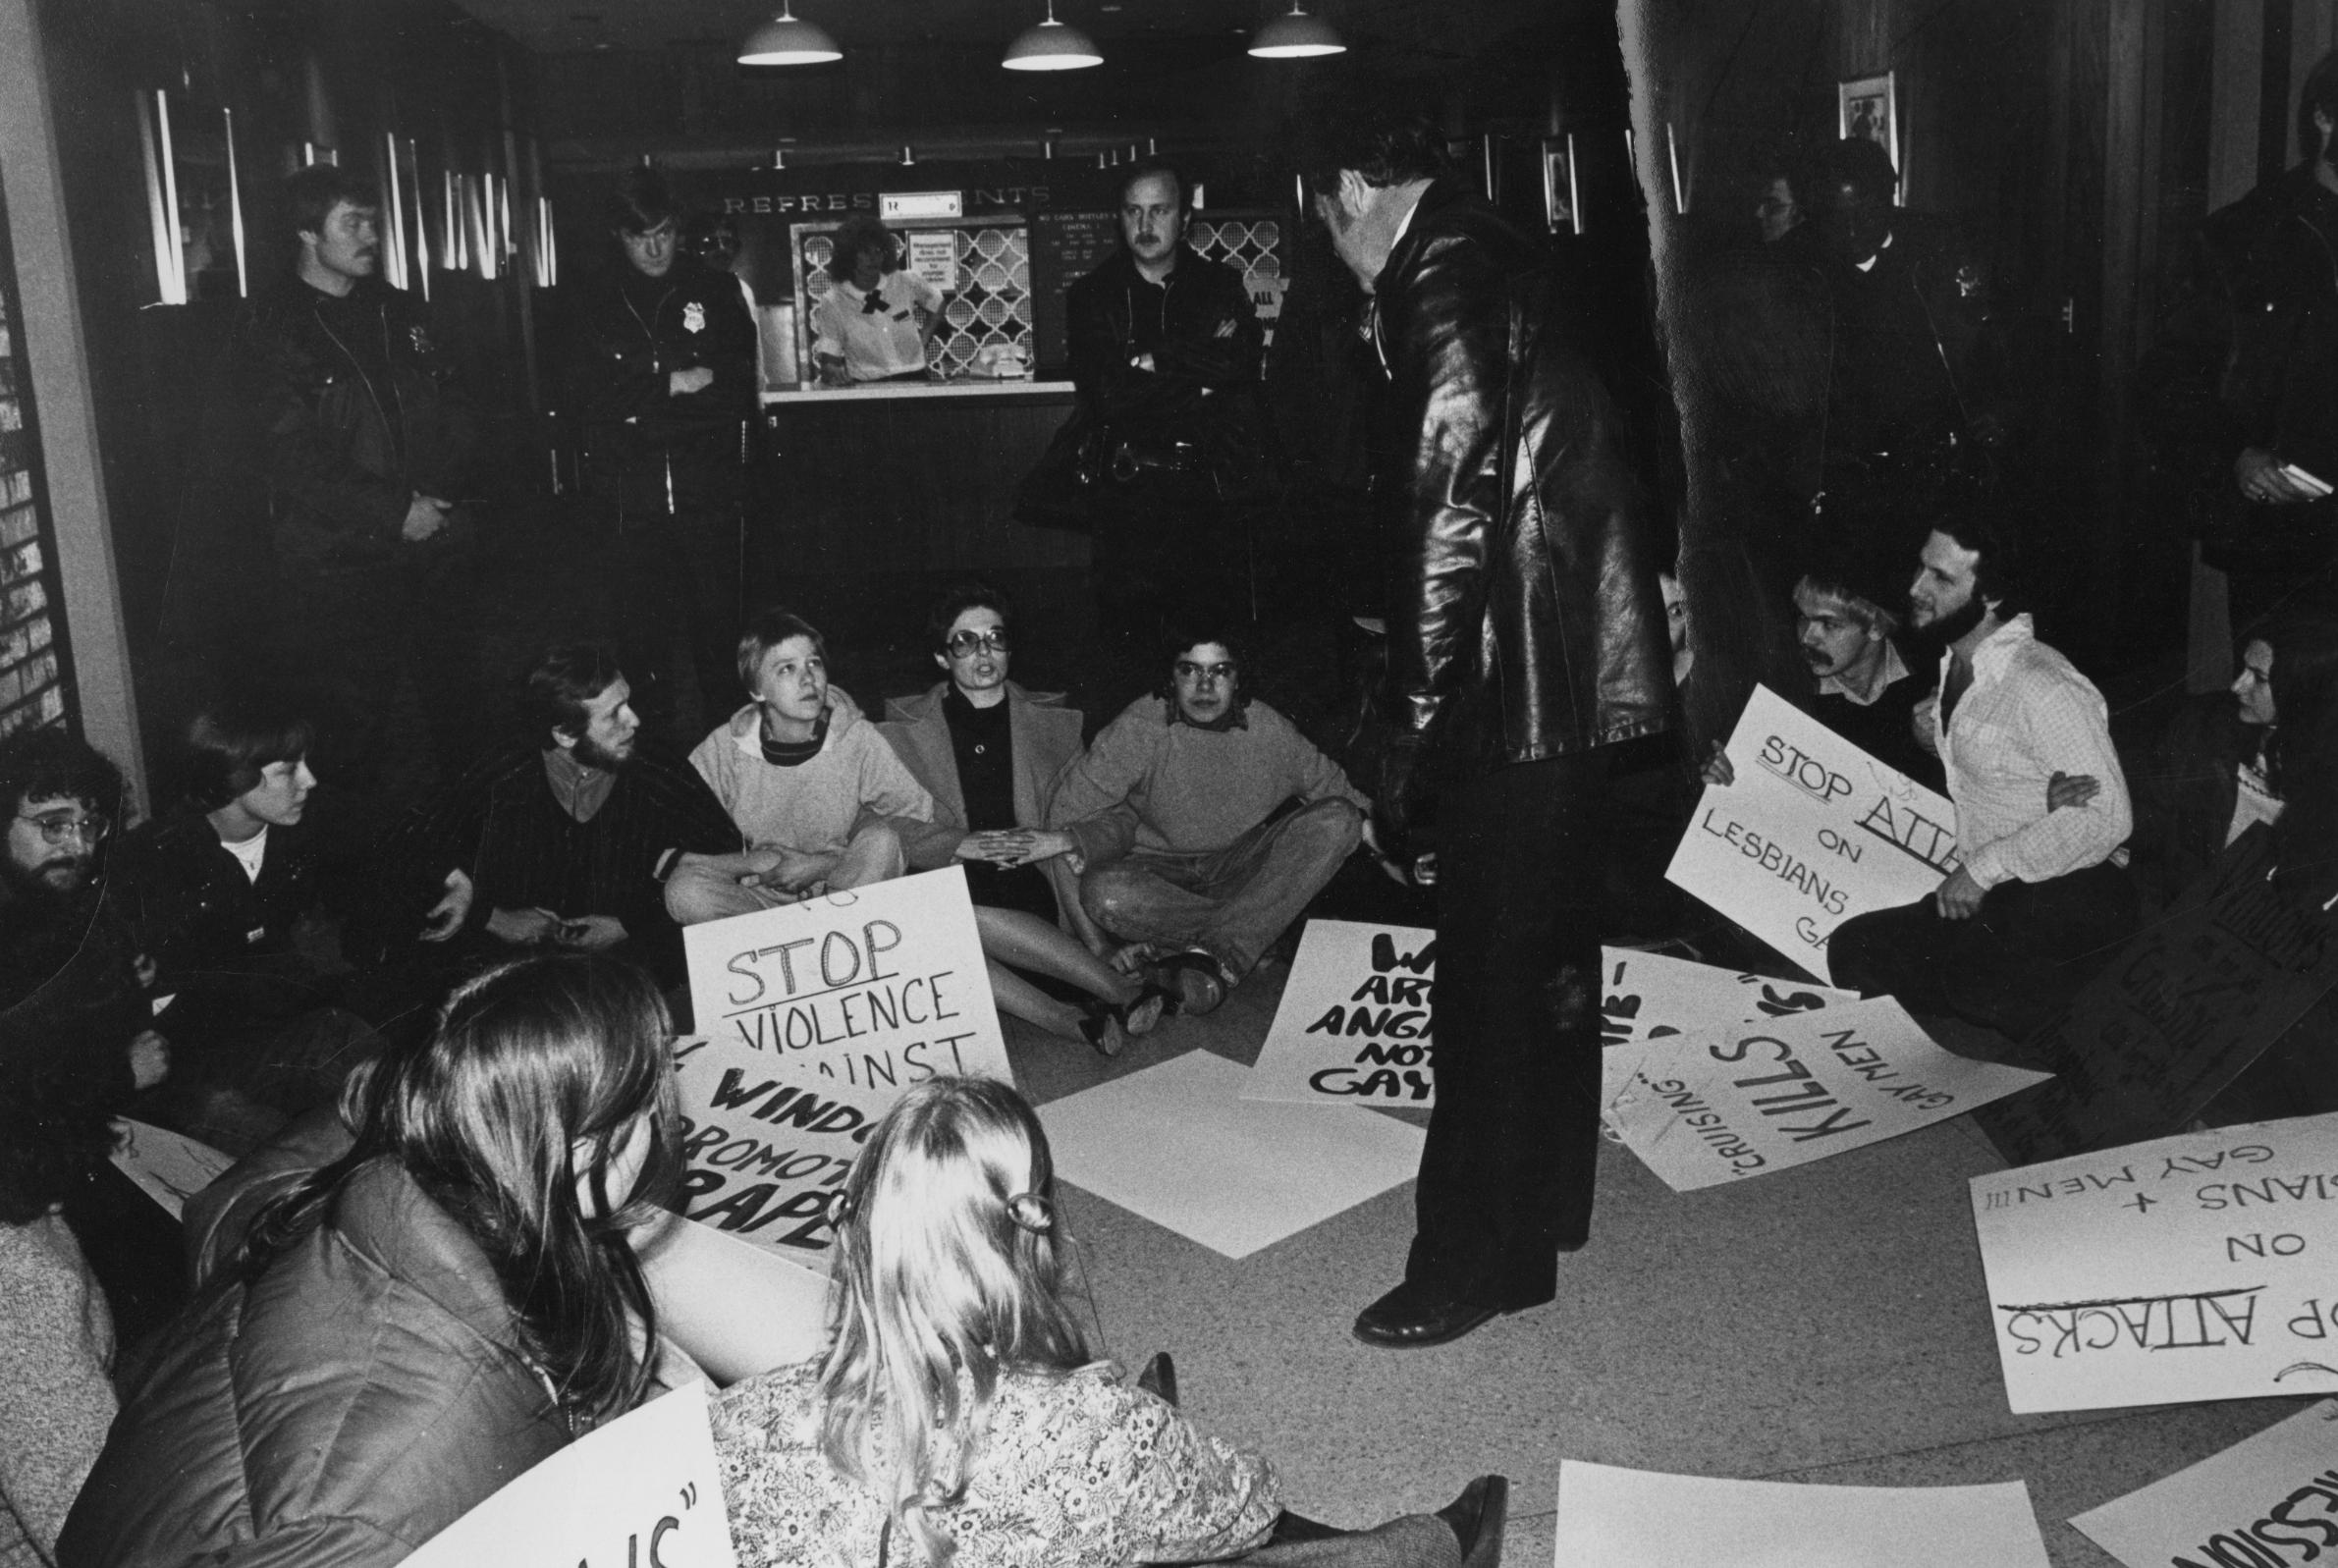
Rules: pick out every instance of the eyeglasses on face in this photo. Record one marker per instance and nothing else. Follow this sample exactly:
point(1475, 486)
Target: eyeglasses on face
point(1187, 670)
point(966, 644)
point(60, 826)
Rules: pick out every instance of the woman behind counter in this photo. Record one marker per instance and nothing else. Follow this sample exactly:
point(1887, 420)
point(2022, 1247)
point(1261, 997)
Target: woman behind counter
point(875, 323)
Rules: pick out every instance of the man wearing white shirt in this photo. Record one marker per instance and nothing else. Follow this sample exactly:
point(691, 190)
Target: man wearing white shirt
point(2041, 897)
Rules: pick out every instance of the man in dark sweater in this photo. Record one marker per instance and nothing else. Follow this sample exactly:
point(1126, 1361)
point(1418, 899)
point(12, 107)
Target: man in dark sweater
point(567, 838)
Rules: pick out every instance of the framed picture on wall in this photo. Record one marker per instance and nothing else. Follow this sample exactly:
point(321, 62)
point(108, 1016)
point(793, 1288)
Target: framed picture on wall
point(1563, 204)
point(1869, 108)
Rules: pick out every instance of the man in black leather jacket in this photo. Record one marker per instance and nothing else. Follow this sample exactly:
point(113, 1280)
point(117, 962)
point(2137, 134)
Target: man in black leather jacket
point(1526, 638)
point(363, 440)
point(1164, 350)
point(661, 379)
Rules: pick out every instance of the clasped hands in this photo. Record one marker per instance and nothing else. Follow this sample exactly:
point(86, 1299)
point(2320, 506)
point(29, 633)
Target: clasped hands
point(1021, 846)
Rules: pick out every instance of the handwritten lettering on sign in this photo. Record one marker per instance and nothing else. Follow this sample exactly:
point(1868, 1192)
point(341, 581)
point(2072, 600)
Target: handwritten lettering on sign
point(643, 1492)
point(2216, 1244)
point(883, 986)
point(1719, 1105)
point(1650, 996)
point(2270, 1499)
point(767, 1146)
point(1813, 831)
point(1353, 1026)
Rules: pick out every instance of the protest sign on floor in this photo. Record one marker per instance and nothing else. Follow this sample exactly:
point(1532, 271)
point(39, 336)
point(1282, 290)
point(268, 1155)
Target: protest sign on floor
point(1718, 1105)
point(2270, 1497)
point(1643, 1519)
point(2188, 1268)
point(882, 987)
point(1354, 1023)
point(1178, 1145)
point(1352, 1027)
point(767, 1142)
point(643, 1489)
point(1813, 831)
point(2191, 1002)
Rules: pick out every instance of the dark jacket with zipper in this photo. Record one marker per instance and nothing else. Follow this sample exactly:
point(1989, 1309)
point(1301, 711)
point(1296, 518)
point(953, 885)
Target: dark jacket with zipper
point(1206, 343)
point(1524, 621)
point(646, 453)
point(359, 410)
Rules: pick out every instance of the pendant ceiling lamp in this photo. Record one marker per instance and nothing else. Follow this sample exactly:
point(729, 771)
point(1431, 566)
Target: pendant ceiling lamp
point(1050, 45)
point(1297, 36)
point(786, 41)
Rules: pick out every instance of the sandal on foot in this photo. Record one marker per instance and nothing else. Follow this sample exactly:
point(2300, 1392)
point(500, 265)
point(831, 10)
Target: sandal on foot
point(1103, 1030)
point(1192, 979)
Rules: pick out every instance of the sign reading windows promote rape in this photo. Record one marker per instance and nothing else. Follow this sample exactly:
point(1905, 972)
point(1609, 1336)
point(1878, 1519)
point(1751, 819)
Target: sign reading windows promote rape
point(1813, 831)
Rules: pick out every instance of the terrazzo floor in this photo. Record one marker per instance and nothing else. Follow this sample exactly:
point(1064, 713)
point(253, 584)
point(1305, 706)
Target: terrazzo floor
point(1824, 1324)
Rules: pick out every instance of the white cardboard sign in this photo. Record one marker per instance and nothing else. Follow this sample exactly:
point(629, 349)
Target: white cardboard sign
point(934, 256)
point(735, 1309)
point(1642, 1519)
point(1719, 1105)
point(1651, 996)
point(1354, 1023)
point(169, 1167)
point(882, 987)
point(643, 1489)
point(1813, 831)
point(2260, 1501)
point(768, 1145)
point(1352, 1027)
point(2188, 1268)
point(1178, 1145)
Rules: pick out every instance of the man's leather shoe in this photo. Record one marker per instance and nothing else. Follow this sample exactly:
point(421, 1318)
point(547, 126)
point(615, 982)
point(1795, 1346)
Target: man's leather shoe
point(1412, 1316)
point(1476, 1517)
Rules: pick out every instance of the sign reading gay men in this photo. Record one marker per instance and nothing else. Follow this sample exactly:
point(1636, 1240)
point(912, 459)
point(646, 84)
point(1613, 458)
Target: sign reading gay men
point(2216, 1245)
point(642, 1490)
point(1813, 831)
point(1717, 1105)
point(882, 987)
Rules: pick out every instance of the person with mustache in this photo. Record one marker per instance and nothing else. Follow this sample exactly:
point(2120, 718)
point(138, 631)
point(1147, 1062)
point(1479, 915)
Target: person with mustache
point(2041, 897)
point(362, 437)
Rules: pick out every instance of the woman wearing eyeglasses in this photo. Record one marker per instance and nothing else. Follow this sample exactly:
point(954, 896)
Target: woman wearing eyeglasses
point(986, 750)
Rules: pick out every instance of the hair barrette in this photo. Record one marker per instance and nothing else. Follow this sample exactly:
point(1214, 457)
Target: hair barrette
point(1032, 1211)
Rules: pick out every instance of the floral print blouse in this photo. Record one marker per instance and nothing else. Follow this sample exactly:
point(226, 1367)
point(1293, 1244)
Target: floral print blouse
point(1074, 1469)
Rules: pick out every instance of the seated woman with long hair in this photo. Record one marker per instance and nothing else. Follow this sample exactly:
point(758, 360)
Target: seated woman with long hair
point(988, 751)
point(959, 1419)
point(393, 1327)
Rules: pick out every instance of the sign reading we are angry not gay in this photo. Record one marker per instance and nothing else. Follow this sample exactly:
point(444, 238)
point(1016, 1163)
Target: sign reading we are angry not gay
point(1813, 831)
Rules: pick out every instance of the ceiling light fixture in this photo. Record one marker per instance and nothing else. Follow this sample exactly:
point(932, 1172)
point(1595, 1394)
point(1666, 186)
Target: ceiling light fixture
point(1297, 36)
point(1050, 45)
point(786, 41)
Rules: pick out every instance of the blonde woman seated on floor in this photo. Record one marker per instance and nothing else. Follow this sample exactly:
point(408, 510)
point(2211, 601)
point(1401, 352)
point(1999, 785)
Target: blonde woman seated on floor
point(959, 1419)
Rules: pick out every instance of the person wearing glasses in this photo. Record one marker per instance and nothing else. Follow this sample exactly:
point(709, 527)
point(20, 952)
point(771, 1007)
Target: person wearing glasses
point(986, 750)
point(662, 381)
point(1193, 867)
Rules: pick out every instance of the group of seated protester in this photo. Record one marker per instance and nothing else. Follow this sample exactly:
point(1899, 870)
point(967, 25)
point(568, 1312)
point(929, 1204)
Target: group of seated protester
point(403, 1303)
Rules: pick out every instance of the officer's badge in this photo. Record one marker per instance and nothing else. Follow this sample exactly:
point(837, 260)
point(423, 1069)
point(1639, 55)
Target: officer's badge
point(693, 317)
point(419, 338)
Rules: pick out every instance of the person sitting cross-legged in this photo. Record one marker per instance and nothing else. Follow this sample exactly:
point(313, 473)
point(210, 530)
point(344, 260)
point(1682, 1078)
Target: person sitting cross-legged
point(988, 749)
point(1176, 810)
point(810, 783)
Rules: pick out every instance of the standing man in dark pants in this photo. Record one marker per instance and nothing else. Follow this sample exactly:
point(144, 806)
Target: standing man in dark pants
point(1526, 635)
point(364, 439)
point(1165, 350)
point(662, 378)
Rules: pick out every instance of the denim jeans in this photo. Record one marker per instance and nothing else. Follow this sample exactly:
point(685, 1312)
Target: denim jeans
point(1231, 902)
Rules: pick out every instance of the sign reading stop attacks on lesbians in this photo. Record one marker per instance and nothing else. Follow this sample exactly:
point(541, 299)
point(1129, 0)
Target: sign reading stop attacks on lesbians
point(1813, 831)
point(881, 987)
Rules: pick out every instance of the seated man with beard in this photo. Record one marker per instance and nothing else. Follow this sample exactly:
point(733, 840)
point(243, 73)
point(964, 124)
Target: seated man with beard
point(565, 839)
point(2042, 899)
